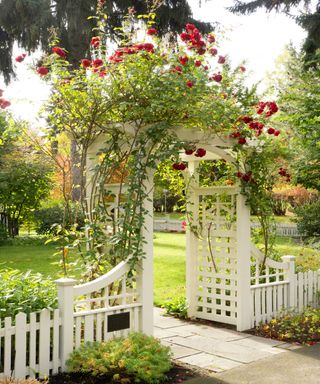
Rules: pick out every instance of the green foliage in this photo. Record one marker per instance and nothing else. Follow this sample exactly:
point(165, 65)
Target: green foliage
point(308, 219)
point(25, 179)
point(299, 99)
point(178, 307)
point(46, 218)
point(302, 327)
point(25, 292)
point(137, 357)
point(30, 22)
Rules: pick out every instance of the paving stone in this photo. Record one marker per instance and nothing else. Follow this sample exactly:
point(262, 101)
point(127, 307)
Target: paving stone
point(179, 351)
point(230, 351)
point(160, 333)
point(164, 322)
point(289, 346)
point(261, 344)
point(210, 362)
point(211, 332)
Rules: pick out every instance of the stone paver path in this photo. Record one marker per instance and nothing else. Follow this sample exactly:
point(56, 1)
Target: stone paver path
point(213, 348)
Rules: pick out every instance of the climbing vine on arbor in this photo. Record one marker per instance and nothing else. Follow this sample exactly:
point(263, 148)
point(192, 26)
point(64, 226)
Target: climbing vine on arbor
point(133, 100)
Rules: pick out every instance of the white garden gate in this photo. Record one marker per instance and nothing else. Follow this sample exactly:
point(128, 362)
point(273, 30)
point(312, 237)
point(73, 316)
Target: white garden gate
point(218, 253)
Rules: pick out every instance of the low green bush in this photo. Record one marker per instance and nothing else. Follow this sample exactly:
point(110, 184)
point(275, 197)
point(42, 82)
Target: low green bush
point(137, 358)
point(47, 217)
point(302, 327)
point(308, 219)
point(178, 307)
point(25, 292)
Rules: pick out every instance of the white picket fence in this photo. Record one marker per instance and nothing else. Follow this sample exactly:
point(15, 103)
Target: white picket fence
point(112, 305)
point(39, 344)
point(278, 288)
point(30, 345)
point(168, 225)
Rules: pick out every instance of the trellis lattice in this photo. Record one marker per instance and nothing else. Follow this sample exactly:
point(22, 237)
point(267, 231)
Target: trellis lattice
point(216, 261)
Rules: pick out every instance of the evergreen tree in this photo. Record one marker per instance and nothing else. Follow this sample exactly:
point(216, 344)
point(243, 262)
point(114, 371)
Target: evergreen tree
point(28, 22)
point(310, 21)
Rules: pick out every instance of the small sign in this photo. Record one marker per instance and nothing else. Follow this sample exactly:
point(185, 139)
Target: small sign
point(118, 321)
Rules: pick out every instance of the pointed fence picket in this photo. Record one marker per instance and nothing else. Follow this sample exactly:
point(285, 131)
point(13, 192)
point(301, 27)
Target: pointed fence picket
point(29, 344)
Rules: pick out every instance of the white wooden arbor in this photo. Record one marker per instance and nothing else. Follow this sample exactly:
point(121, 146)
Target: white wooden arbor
point(221, 219)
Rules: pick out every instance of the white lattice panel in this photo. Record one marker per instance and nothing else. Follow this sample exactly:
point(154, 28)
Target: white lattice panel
point(216, 261)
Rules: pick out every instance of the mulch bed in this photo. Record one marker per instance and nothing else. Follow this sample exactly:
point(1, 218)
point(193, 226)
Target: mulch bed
point(178, 374)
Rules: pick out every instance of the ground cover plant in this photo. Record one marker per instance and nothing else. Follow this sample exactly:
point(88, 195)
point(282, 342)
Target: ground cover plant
point(25, 292)
point(136, 358)
point(302, 327)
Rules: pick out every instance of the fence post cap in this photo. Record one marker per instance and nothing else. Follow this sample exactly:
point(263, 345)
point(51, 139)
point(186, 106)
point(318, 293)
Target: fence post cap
point(288, 258)
point(65, 282)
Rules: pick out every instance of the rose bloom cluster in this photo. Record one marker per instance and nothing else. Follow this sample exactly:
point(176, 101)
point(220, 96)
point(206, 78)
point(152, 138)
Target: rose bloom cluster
point(268, 108)
point(3, 102)
point(197, 152)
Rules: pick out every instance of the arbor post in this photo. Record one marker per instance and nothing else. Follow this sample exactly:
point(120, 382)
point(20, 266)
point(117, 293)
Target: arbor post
point(244, 310)
point(192, 241)
point(145, 271)
point(65, 302)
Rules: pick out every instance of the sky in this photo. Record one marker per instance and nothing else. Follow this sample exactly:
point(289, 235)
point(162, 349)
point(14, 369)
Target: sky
point(257, 39)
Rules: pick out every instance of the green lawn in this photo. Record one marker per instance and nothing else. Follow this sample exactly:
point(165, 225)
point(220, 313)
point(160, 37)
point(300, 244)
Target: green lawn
point(169, 261)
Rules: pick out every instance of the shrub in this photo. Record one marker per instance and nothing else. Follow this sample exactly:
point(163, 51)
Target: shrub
point(302, 327)
point(138, 356)
point(47, 217)
point(178, 307)
point(308, 219)
point(25, 292)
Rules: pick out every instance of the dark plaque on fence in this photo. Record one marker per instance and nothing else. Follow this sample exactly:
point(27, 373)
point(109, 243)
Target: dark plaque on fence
point(119, 321)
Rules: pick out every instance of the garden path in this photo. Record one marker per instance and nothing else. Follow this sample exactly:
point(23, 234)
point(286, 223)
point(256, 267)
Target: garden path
point(213, 347)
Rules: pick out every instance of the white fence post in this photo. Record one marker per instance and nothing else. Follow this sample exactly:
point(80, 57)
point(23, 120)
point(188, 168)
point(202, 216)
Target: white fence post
point(289, 274)
point(145, 272)
point(244, 305)
point(65, 299)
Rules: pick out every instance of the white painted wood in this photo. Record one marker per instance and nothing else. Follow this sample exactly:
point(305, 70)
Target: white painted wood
point(7, 346)
point(99, 327)
point(269, 311)
point(55, 348)
point(300, 291)
point(20, 346)
point(101, 282)
point(289, 274)
point(243, 264)
point(192, 240)
point(32, 344)
point(145, 270)
point(78, 324)
point(65, 299)
point(136, 326)
point(44, 343)
point(88, 328)
point(310, 288)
